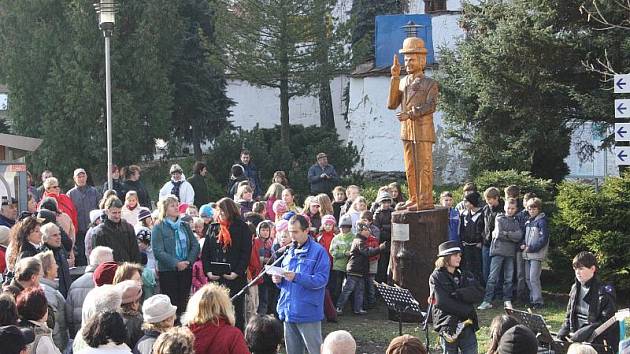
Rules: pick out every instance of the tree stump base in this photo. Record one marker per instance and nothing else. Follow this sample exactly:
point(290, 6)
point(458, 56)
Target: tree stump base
point(416, 236)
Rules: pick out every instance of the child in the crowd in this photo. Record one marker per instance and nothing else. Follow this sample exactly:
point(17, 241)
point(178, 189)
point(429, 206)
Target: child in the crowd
point(274, 192)
point(469, 187)
point(359, 205)
point(395, 190)
point(192, 211)
point(206, 212)
point(279, 209)
point(446, 200)
point(372, 242)
point(535, 247)
point(591, 303)
point(283, 240)
point(514, 192)
point(494, 205)
point(383, 220)
point(237, 176)
point(522, 292)
point(260, 208)
point(312, 212)
point(254, 268)
point(325, 204)
point(339, 199)
point(324, 238)
point(506, 237)
point(149, 283)
point(453, 295)
point(352, 193)
point(197, 228)
point(368, 218)
point(199, 278)
point(357, 270)
point(340, 252)
point(265, 255)
point(280, 177)
point(245, 198)
point(471, 232)
point(288, 195)
point(131, 209)
point(376, 204)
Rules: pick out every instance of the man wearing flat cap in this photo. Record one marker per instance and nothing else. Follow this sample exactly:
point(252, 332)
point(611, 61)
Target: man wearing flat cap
point(322, 177)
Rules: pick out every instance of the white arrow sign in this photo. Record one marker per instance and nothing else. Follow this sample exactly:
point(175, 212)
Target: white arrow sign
point(622, 83)
point(622, 131)
point(622, 108)
point(622, 155)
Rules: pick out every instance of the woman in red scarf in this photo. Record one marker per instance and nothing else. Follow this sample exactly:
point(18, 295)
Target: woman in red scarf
point(229, 241)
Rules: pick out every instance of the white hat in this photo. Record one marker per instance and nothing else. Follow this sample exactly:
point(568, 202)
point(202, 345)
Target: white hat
point(157, 308)
point(4, 235)
point(95, 214)
point(78, 171)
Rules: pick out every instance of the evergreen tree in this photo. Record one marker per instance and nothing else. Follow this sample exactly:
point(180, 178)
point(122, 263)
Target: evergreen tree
point(270, 44)
point(202, 107)
point(515, 88)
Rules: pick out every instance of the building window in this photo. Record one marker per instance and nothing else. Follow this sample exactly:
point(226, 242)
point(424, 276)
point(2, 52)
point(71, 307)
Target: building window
point(434, 6)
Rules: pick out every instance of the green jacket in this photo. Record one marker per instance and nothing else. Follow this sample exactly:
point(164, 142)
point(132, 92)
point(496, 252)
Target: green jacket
point(340, 250)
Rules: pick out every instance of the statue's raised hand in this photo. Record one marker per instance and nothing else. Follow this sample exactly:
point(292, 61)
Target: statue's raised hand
point(395, 67)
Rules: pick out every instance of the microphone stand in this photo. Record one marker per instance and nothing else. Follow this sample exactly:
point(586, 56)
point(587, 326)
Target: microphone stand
point(253, 281)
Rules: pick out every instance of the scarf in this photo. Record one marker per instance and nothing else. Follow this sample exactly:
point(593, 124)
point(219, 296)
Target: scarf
point(176, 185)
point(225, 239)
point(181, 247)
point(132, 209)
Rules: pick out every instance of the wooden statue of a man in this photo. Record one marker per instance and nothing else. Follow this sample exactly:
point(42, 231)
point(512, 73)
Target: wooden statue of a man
point(417, 96)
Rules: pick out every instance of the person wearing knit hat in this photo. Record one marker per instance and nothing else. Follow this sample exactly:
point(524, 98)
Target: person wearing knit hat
point(339, 342)
point(104, 273)
point(324, 238)
point(283, 240)
point(263, 244)
point(130, 310)
point(206, 211)
point(159, 317)
point(279, 207)
point(340, 252)
point(406, 344)
point(454, 294)
point(518, 340)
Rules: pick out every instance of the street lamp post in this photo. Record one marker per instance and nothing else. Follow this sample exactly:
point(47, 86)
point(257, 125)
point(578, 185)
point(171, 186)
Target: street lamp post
point(106, 10)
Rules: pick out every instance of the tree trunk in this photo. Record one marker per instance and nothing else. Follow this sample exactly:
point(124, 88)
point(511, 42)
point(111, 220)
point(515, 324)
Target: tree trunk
point(284, 112)
point(196, 145)
point(326, 114)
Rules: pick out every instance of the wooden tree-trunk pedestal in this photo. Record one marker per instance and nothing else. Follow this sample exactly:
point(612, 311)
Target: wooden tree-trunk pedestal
point(416, 236)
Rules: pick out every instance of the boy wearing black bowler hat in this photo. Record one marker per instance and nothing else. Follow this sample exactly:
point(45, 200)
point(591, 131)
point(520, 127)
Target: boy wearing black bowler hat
point(454, 294)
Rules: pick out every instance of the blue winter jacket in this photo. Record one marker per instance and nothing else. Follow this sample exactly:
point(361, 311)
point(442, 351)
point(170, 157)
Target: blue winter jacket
point(536, 238)
point(302, 300)
point(453, 225)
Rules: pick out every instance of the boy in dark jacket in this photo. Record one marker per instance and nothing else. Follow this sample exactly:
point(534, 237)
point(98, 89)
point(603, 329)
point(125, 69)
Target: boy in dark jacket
point(471, 229)
point(591, 303)
point(453, 295)
point(494, 205)
point(357, 269)
point(383, 220)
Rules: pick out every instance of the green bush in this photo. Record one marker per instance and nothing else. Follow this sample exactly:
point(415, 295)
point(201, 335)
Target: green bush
point(524, 180)
point(595, 221)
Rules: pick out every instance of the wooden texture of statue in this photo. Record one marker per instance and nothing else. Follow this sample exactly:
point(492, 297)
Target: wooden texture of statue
point(416, 95)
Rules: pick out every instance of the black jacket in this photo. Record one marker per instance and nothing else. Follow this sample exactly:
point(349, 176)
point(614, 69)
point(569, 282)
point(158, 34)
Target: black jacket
point(454, 297)
point(237, 255)
point(383, 220)
point(602, 306)
point(471, 227)
point(120, 237)
point(143, 196)
point(489, 216)
point(359, 263)
point(61, 258)
point(200, 187)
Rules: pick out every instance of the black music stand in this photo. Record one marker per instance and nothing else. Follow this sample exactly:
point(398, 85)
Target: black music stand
point(537, 324)
point(399, 300)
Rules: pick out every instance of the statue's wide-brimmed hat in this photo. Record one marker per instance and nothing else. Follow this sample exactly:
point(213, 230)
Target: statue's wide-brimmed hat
point(413, 45)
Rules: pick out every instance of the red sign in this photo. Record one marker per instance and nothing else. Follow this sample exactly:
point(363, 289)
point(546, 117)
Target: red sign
point(16, 168)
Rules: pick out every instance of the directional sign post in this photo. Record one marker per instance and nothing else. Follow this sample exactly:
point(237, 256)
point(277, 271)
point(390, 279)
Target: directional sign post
point(622, 131)
point(622, 108)
point(622, 155)
point(622, 83)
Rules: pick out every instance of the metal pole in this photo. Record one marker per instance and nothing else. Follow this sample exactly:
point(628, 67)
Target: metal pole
point(108, 98)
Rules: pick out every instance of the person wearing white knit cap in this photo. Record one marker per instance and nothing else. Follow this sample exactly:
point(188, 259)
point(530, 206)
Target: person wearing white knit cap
point(159, 316)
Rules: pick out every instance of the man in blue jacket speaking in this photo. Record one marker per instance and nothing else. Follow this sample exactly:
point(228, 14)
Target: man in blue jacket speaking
point(302, 285)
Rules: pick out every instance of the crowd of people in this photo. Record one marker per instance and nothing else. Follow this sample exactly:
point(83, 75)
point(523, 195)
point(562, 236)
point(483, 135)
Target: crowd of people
point(253, 269)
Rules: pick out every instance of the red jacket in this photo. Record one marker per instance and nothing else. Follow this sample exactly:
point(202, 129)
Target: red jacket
point(3, 263)
point(64, 203)
point(324, 239)
point(372, 242)
point(223, 338)
point(255, 266)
